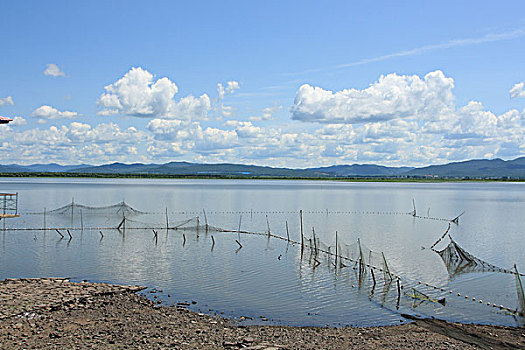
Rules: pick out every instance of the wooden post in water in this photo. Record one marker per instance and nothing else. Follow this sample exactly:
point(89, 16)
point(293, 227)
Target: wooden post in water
point(81, 221)
point(167, 220)
point(72, 209)
point(121, 223)
point(336, 249)
point(198, 224)
point(287, 233)
point(361, 258)
point(302, 233)
point(268, 225)
point(44, 219)
point(239, 229)
point(385, 267)
point(315, 241)
point(205, 220)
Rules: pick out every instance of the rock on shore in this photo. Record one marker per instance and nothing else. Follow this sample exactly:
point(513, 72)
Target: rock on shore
point(56, 313)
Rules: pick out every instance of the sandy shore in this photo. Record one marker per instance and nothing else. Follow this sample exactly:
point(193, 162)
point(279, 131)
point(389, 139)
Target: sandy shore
point(56, 313)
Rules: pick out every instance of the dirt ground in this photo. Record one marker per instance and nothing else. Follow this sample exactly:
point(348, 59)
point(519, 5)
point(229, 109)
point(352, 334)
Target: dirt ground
point(56, 313)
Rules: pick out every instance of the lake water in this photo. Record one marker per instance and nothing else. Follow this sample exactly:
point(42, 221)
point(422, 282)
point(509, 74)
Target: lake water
point(270, 277)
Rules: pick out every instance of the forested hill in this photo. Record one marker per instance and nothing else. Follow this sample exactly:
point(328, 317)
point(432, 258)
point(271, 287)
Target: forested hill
point(480, 168)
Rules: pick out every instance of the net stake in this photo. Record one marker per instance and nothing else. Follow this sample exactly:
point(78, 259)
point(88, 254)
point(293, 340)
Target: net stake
point(198, 224)
point(398, 294)
point(60, 233)
point(239, 229)
point(302, 233)
point(205, 219)
point(336, 249)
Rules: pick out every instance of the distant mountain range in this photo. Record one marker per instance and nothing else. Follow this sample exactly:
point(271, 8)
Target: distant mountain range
point(479, 168)
point(476, 168)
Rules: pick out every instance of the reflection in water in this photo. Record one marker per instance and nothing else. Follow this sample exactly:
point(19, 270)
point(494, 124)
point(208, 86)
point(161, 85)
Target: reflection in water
point(221, 248)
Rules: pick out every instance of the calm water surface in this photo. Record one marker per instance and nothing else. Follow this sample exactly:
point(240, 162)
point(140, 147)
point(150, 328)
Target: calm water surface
point(268, 277)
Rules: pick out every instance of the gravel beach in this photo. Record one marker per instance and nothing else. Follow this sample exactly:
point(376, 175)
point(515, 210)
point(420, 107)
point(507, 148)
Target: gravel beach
point(52, 313)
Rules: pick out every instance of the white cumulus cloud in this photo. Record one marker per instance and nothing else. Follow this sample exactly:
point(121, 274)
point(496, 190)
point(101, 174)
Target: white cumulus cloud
point(517, 90)
point(53, 70)
point(6, 101)
point(213, 139)
point(220, 108)
point(408, 120)
point(17, 121)
point(230, 88)
point(397, 120)
point(245, 129)
point(172, 129)
point(392, 96)
point(74, 143)
point(191, 107)
point(138, 94)
point(48, 112)
point(267, 113)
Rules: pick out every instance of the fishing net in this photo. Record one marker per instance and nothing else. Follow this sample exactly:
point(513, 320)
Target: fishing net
point(192, 223)
point(372, 272)
point(458, 261)
point(355, 256)
point(363, 258)
point(354, 262)
point(74, 209)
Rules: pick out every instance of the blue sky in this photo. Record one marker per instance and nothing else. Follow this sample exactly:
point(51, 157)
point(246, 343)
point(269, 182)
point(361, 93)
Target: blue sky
point(302, 83)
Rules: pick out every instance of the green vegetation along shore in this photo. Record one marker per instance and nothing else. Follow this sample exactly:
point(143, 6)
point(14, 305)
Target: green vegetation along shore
point(251, 177)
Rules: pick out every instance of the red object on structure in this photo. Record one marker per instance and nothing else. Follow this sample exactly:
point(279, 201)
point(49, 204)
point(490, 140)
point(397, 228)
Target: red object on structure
point(5, 120)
